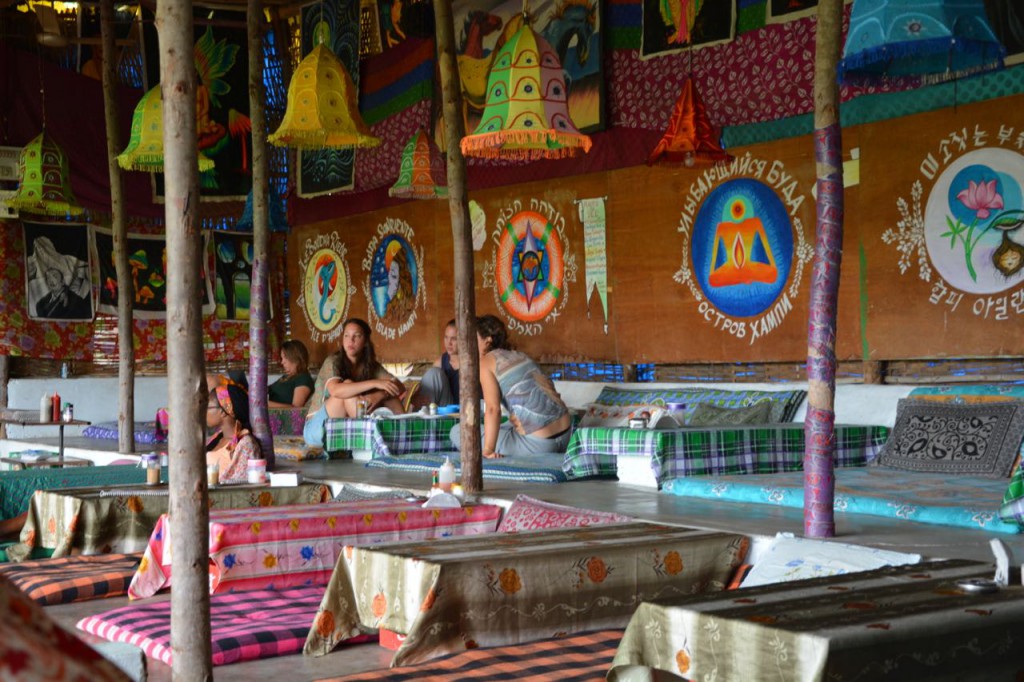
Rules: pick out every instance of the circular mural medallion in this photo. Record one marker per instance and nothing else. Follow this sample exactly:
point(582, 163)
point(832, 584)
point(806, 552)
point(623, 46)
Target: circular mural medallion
point(394, 280)
point(742, 247)
point(529, 267)
point(965, 244)
point(325, 290)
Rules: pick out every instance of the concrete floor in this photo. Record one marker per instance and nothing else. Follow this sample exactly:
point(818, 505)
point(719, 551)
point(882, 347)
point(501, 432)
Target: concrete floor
point(758, 521)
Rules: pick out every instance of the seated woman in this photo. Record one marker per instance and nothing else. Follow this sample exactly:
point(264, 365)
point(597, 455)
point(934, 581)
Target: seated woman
point(440, 383)
point(358, 379)
point(538, 420)
point(233, 445)
point(294, 388)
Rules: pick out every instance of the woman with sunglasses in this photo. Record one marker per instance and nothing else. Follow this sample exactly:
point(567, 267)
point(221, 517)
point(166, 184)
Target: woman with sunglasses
point(232, 445)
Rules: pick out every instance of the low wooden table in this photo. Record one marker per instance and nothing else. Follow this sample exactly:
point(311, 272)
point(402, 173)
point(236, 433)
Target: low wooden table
point(453, 594)
point(897, 623)
point(27, 418)
point(45, 462)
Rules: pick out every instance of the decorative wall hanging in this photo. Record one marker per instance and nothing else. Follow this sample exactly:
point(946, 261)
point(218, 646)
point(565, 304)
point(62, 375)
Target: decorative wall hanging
point(145, 150)
point(673, 25)
point(526, 116)
point(690, 138)
point(327, 289)
point(276, 214)
point(595, 252)
point(394, 283)
point(58, 283)
point(573, 27)
point(421, 174)
point(232, 274)
point(907, 41)
point(147, 258)
point(44, 187)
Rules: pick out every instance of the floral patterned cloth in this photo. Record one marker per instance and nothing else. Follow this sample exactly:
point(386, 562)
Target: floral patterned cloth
point(896, 623)
point(290, 546)
point(460, 593)
point(234, 462)
point(121, 518)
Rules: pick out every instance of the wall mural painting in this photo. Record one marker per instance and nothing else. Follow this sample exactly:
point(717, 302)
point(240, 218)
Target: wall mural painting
point(532, 267)
point(963, 227)
point(326, 286)
point(232, 268)
point(394, 284)
point(674, 25)
point(147, 258)
point(744, 247)
point(572, 27)
point(57, 270)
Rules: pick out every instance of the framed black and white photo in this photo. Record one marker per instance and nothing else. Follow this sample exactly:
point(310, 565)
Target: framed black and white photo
point(58, 281)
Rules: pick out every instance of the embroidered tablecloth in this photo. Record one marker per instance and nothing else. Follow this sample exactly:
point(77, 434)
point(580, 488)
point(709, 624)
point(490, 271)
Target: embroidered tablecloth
point(121, 518)
point(291, 546)
point(460, 593)
point(385, 437)
point(17, 487)
point(677, 453)
point(896, 623)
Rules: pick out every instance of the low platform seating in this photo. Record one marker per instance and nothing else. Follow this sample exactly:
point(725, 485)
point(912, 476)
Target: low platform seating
point(71, 579)
point(535, 469)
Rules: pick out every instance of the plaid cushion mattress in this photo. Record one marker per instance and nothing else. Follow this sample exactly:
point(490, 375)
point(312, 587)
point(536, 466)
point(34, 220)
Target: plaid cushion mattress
point(579, 658)
point(534, 469)
point(71, 579)
point(386, 437)
point(678, 453)
point(244, 625)
point(144, 432)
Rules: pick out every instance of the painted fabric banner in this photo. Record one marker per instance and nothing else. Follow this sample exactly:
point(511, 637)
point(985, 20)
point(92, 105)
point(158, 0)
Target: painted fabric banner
point(58, 283)
point(572, 27)
point(232, 274)
point(222, 104)
point(324, 171)
point(673, 25)
point(147, 256)
point(1007, 19)
point(592, 215)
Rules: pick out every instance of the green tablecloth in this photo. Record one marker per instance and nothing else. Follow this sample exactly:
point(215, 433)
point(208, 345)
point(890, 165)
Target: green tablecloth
point(121, 518)
point(386, 437)
point(17, 487)
point(896, 623)
point(493, 590)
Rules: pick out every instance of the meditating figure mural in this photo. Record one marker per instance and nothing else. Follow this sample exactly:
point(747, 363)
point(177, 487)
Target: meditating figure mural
point(296, 385)
point(232, 445)
point(538, 420)
point(360, 385)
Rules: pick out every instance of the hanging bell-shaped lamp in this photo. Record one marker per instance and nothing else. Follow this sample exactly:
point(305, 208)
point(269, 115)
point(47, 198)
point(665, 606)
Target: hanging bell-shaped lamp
point(322, 110)
point(276, 214)
point(422, 173)
point(690, 138)
point(526, 114)
point(918, 40)
point(44, 187)
point(145, 150)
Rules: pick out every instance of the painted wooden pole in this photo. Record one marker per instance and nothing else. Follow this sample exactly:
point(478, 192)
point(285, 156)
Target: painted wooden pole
point(119, 226)
point(189, 501)
point(462, 238)
point(819, 426)
point(5, 380)
point(259, 305)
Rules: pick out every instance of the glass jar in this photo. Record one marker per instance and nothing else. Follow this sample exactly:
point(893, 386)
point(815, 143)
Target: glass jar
point(151, 463)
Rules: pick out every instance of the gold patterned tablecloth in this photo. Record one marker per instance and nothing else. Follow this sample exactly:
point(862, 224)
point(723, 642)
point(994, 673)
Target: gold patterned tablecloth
point(455, 594)
point(121, 518)
point(896, 623)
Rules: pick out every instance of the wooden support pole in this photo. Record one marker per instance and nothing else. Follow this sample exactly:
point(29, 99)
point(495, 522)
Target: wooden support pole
point(189, 501)
point(462, 238)
point(874, 372)
point(119, 225)
point(5, 379)
point(259, 304)
point(819, 426)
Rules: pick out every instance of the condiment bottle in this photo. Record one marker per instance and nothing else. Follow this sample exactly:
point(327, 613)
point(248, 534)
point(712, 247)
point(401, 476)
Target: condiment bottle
point(434, 484)
point(447, 475)
point(45, 408)
point(55, 407)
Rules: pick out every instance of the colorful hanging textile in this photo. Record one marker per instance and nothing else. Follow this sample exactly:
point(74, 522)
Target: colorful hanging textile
point(276, 216)
point(526, 115)
point(322, 110)
point(58, 280)
point(422, 173)
point(145, 150)
point(690, 138)
point(44, 187)
point(592, 215)
point(927, 40)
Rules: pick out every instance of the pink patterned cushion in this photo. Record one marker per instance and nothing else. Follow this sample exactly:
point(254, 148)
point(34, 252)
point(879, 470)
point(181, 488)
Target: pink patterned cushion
point(529, 513)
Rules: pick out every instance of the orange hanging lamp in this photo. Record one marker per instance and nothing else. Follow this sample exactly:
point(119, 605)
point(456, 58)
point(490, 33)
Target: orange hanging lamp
point(690, 138)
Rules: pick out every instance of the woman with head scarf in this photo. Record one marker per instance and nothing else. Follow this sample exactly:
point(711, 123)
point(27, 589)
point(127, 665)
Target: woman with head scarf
point(232, 445)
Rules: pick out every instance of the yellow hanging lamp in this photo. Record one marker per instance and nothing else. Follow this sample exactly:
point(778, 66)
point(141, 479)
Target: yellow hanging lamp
point(422, 173)
point(526, 115)
point(322, 111)
point(44, 187)
point(145, 150)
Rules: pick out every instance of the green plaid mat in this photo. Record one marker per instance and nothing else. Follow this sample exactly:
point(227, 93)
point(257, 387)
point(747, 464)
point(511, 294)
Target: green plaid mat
point(679, 453)
point(387, 437)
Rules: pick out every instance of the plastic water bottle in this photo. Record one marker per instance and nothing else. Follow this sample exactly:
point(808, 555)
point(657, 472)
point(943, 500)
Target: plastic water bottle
point(446, 475)
point(44, 408)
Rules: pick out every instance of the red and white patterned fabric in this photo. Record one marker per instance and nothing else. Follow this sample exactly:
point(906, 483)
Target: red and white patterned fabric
point(529, 513)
